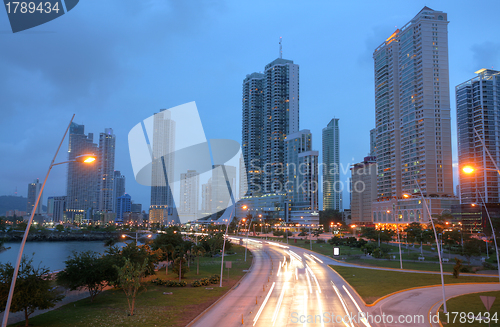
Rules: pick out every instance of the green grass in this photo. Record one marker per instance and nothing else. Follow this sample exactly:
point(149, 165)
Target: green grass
point(471, 303)
point(427, 266)
point(153, 308)
point(363, 280)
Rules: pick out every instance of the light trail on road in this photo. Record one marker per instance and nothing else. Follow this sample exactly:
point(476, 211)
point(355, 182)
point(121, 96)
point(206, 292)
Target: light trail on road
point(263, 304)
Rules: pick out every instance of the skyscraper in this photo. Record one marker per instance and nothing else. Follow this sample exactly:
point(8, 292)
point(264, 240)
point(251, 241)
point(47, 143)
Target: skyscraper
point(302, 174)
point(106, 164)
point(373, 142)
point(118, 187)
point(33, 191)
point(206, 197)
point(270, 112)
point(82, 183)
point(478, 112)
point(252, 129)
point(163, 165)
point(219, 187)
point(331, 166)
point(189, 189)
point(412, 108)
point(363, 190)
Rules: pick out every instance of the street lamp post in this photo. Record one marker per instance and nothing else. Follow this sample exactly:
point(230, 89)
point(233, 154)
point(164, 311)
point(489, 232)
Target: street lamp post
point(82, 158)
point(437, 244)
point(470, 170)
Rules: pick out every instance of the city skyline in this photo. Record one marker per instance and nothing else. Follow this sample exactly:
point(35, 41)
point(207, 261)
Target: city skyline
point(315, 97)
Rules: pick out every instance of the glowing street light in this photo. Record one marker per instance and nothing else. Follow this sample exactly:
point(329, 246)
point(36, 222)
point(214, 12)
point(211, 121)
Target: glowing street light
point(468, 169)
point(86, 158)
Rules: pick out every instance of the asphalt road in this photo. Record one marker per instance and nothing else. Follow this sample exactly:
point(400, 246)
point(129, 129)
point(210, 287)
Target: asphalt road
point(286, 287)
point(290, 286)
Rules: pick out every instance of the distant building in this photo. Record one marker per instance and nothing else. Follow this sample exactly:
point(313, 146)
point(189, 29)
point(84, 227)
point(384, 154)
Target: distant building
point(135, 207)
point(332, 189)
point(363, 190)
point(106, 164)
point(206, 197)
point(189, 197)
point(302, 177)
point(82, 182)
point(163, 143)
point(123, 205)
point(266, 207)
point(219, 187)
point(33, 192)
point(133, 218)
point(478, 113)
point(118, 187)
point(59, 207)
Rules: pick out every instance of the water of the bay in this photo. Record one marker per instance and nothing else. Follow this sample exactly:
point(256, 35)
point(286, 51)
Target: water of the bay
point(51, 254)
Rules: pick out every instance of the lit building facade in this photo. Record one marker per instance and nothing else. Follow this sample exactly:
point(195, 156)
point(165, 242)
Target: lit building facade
point(270, 112)
point(82, 191)
point(106, 164)
point(412, 109)
point(478, 113)
point(363, 190)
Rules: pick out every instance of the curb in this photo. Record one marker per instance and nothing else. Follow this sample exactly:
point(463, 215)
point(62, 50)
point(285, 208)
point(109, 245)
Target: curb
point(222, 297)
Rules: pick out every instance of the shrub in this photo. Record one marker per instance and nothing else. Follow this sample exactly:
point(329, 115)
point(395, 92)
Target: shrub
point(464, 269)
point(214, 279)
point(319, 240)
point(169, 283)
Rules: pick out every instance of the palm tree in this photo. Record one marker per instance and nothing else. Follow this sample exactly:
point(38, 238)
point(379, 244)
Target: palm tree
point(198, 251)
point(179, 253)
point(169, 250)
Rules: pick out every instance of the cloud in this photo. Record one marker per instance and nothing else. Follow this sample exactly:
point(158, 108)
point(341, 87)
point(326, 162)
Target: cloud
point(486, 55)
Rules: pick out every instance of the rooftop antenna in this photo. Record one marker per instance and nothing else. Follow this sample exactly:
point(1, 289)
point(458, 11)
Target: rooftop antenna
point(281, 52)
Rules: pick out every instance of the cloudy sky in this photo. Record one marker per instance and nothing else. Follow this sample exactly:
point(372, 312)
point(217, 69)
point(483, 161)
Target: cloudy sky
point(114, 63)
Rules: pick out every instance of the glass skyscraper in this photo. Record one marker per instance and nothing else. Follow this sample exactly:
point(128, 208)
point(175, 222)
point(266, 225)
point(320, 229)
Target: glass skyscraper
point(478, 112)
point(331, 167)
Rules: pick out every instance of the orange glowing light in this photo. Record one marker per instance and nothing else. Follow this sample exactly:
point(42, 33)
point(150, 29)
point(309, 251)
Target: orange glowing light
point(468, 169)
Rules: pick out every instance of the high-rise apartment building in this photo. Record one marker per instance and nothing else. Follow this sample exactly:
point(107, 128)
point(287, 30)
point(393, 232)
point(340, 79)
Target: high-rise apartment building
point(373, 142)
point(118, 187)
point(221, 198)
point(82, 183)
point(33, 192)
point(302, 175)
point(106, 164)
point(478, 116)
point(206, 197)
point(59, 206)
point(363, 190)
point(189, 189)
point(270, 112)
point(331, 167)
point(162, 164)
point(412, 109)
point(124, 204)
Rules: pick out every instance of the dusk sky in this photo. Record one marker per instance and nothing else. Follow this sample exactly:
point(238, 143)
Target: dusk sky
point(114, 63)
